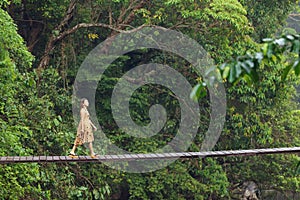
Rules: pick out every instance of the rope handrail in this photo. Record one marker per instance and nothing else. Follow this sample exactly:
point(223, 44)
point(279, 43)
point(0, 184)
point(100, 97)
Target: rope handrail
point(147, 156)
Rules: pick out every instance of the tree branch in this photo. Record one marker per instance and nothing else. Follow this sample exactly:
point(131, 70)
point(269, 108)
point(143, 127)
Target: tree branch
point(132, 7)
point(130, 16)
point(293, 18)
point(294, 14)
point(69, 16)
point(50, 44)
point(53, 40)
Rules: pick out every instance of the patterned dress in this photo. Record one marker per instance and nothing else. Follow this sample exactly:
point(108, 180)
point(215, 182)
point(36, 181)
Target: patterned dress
point(87, 135)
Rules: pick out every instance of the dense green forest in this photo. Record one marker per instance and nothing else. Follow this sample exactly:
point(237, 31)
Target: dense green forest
point(44, 43)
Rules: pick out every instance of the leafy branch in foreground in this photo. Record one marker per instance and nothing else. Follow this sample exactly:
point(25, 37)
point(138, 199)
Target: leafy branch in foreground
point(246, 66)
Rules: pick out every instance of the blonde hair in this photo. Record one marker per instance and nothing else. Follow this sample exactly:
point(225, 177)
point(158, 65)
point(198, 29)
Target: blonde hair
point(82, 102)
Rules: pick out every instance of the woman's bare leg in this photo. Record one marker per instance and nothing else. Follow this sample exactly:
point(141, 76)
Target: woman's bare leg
point(91, 148)
point(73, 149)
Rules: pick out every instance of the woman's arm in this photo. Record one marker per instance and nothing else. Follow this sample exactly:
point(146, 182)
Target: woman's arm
point(94, 127)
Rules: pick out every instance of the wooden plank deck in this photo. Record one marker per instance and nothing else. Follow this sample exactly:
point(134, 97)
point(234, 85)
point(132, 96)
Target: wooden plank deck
point(130, 157)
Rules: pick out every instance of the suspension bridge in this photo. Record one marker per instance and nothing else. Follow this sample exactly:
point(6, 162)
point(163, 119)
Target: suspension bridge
point(147, 156)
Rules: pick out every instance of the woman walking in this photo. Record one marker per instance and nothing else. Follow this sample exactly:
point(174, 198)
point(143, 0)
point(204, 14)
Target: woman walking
point(84, 130)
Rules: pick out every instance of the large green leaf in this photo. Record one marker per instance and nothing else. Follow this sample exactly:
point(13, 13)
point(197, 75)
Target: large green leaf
point(198, 92)
point(286, 71)
point(232, 74)
point(296, 67)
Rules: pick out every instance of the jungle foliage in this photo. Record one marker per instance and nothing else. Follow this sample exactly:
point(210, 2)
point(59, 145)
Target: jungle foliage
point(42, 46)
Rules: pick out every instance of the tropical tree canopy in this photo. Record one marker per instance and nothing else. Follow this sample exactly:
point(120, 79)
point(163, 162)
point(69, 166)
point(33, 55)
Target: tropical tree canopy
point(255, 57)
